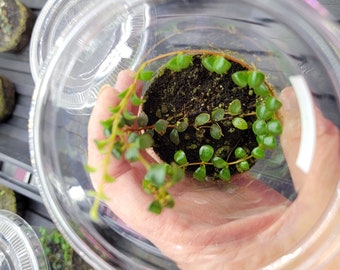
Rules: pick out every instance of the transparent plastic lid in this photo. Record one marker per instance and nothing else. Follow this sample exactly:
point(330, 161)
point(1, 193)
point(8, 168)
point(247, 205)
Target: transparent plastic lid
point(20, 247)
point(282, 214)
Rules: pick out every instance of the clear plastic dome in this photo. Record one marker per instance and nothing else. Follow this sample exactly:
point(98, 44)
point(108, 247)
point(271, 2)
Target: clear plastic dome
point(301, 50)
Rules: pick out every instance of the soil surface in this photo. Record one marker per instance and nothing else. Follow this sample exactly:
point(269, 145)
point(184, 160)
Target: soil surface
point(190, 92)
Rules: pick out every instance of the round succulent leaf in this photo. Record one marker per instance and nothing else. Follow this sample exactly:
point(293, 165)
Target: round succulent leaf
point(243, 166)
point(263, 113)
point(182, 126)
point(145, 75)
point(147, 186)
point(157, 174)
point(206, 152)
point(235, 107)
point(184, 60)
point(155, 207)
point(177, 173)
point(216, 131)
point(219, 162)
point(200, 173)
point(255, 78)
point(240, 78)
point(273, 104)
point(259, 127)
point(145, 141)
point(161, 126)
point(224, 174)
point(173, 65)
point(202, 119)
point(240, 152)
point(132, 154)
point(142, 119)
point(274, 127)
point(180, 157)
point(262, 90)
point(208, 63)
point(174, 137)
point(221, 65)
point(135, 100)
point(217, 114)
point(269, 142)
point(240, 123)
point(258, 152)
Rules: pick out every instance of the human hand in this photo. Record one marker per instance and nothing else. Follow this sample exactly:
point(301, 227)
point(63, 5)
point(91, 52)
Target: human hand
point(240, 225)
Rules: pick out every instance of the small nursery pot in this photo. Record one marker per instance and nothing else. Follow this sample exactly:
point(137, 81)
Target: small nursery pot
point(105, 37)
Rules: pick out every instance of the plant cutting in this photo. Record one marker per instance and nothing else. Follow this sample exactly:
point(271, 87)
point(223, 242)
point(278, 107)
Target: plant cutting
point(204, 113)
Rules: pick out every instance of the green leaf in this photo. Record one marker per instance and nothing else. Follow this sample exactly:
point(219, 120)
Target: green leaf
point(200, 173)
point(221, 65)
point(216, 131)
point(258, 152)
point(240, 78)
point(219, 162)
point(180, 157)
point(129, 116)
point(157, 174)
point(269, 142)
point(273, 104)
point(133, 137)
point(101, 145)
point(161, 126)
point(240, 153)
point(202, 119)
point(260, 139)
point(182, 126)
point(243, 166)
point(259, 127)
point(90, 169)
point(132, 154)
point(155, 207)
point(184, 60)
point(115, 110)
point(262, 90)
point(135, 100)
point(217, 114)
point(263, 113)
point(235, 107)
point(124, 93)
point(255, 78)
point(109, 179)
point(145, 141)
point(274, 127)
point(142, 119)
point(170, 202)
point(173, 65)
point(224, 174)
point(208, 63)
point(117, 149)
point(240, 123)
point(177, 173)
point(145, 75)
point(147, 186)
point(206, 152)
point(174, 137)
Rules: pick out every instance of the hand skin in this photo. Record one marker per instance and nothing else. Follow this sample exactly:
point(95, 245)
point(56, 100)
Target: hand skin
point(242, 225)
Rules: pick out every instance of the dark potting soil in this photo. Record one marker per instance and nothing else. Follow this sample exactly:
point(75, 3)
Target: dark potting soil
point(174, 95)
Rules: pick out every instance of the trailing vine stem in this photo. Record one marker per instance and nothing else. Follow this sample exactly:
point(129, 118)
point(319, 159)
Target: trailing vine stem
point(125, 140)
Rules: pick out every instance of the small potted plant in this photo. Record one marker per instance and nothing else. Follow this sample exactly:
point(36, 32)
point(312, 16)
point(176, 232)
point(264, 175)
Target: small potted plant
point(204, 113)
